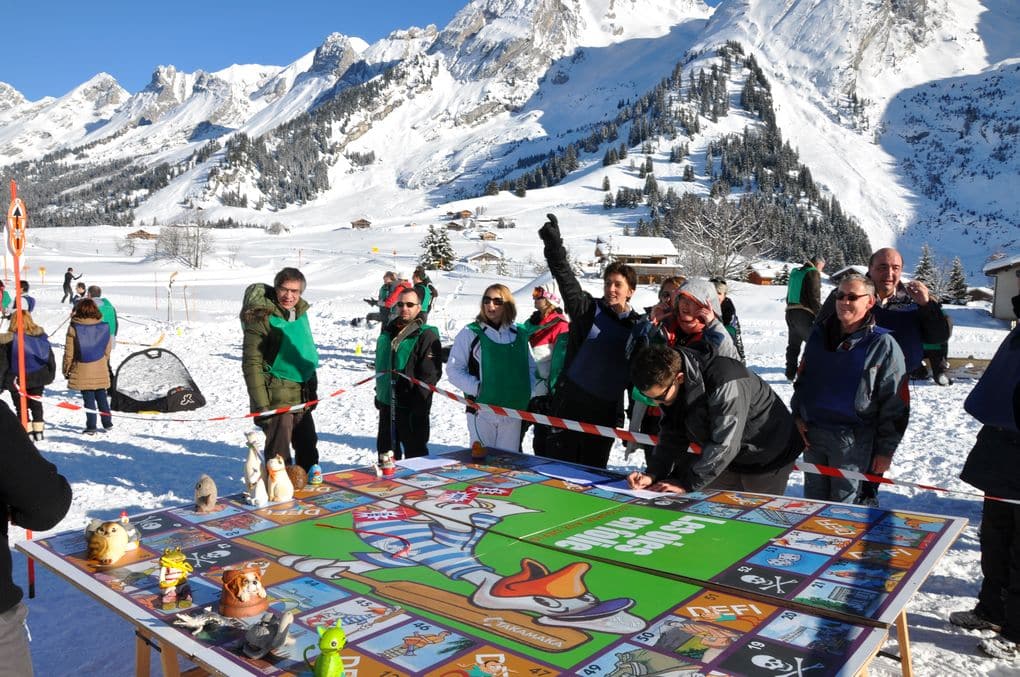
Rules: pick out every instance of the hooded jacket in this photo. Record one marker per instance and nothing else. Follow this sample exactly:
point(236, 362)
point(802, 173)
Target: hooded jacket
point(86, 364)
point(731, 414)
point(260, 348)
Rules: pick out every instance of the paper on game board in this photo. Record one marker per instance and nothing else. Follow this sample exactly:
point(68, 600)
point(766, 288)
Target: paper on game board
point(426, 463)
point(570, 473)
point(621, 487)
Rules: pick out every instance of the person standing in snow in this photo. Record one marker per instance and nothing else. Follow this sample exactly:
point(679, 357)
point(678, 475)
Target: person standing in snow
point(397, 286)
point(491, 363)
point(850, 401)
point(426, 290)
point(993, 466)
point(33, 495)
point(278, 357)
point(594, 378)
point(68, 276)
point(545, 327)
point(40, 368)
point(803, 301)
point(728, 317)
point(86, 364)
point(418, 354)
point(28, 302)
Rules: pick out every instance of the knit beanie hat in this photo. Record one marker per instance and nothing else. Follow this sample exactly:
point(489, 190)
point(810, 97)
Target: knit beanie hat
point(703, 293)
point(549, 291)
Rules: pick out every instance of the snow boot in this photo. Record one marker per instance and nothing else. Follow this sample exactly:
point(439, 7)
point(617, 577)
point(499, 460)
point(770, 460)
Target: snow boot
point(972, 620)
point(37, 430)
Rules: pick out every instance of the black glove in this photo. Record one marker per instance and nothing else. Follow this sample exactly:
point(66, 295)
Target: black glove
point(371, 302)
point(550, 231)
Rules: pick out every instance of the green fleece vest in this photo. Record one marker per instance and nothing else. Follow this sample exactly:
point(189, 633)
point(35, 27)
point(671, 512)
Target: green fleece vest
point(507, 382)
point(384, 359)
point(796, 283)
point(298, 357)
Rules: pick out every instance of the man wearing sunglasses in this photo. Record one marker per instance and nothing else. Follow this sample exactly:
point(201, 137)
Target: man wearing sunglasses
point(417, 353)
point(594, 376)
point(742, 435)
point(850, 399)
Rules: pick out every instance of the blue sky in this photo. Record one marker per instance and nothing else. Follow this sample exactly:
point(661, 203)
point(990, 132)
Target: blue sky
point(51, 46)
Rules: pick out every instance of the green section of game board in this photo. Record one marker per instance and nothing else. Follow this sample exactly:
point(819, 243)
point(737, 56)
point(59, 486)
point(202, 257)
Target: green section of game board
point(655, 540)
point(651, 594)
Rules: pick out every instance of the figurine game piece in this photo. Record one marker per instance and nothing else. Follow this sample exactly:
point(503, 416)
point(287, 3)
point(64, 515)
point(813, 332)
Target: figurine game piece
point(269, 634)
point(173, 579)
point(332, 640)
point(298, 476)
point(205, 495)
point(477, 451)
point(280, 487)
point(315, 474)
point(387, 466)
point(255, 473)
point(243, 593)
point(207, 620)
point(108, 542)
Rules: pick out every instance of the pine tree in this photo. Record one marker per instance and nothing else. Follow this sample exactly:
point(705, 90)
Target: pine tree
point(783, 277)
point(437, 252)
point(605, 184)
point(925, 270)
point(503, 267)
point(957, 291)
point(608, 203)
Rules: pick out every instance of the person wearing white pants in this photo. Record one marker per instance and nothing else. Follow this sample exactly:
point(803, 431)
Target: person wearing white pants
point(491, 363)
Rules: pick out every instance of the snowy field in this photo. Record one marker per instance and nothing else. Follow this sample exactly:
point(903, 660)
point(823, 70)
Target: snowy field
point(150, 462)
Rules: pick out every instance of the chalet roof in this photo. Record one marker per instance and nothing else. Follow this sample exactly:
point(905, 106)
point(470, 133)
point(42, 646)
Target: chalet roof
point(483, 251)
point(995, 266)
point(621, 245)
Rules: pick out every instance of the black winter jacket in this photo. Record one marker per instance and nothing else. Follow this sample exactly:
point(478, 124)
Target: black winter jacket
point(732, 414)
point(425, 363)
point(33, 495)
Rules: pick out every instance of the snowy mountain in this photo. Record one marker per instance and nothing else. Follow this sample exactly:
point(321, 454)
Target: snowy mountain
point(870, 92)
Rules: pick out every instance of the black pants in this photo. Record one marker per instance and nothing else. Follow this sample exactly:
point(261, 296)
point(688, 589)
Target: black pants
point(799, 322)
point(569, 401)
point(305, 441)
point(67, 293)
point(999, 599)
point(34, 406)
point(412, 431)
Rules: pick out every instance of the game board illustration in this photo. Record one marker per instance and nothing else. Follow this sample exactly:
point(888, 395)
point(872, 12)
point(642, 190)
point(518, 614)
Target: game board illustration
point(498, 569)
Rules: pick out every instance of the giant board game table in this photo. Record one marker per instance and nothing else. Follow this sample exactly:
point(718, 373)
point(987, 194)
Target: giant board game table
point(515, 566)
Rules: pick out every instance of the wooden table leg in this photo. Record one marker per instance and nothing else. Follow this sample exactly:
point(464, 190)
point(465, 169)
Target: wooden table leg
point(903, 639)
point(168, 659)
point(142, 656)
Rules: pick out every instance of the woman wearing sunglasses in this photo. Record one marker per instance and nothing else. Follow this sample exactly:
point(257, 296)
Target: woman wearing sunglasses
point(850, 399)
point(491, 363)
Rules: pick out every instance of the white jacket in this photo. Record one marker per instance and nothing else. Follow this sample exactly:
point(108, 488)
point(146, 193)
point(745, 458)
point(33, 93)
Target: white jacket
point(460, 354)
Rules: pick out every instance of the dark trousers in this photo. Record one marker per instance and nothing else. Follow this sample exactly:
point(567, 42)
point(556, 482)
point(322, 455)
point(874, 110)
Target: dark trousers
point(412, 432)
point(999, 599)
point(34, 406)
point(279, 430)
point(569, 401)
point(67, 293)
point(799, 322)
point(305, 441)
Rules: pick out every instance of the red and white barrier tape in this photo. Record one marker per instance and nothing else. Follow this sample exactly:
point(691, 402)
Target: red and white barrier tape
point(531, 417)
point(642, 438)
point(71, 406)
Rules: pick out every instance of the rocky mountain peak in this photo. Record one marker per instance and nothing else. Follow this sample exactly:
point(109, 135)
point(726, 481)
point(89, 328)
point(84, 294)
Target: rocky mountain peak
point(10, 97)
point(335, 55)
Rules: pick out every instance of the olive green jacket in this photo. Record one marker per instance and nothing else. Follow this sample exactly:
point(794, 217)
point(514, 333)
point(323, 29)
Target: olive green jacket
point(260, 347)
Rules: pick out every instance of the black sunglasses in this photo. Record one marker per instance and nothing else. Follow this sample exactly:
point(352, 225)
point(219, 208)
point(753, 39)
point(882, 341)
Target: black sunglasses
point(494, 300)
point(405, 304)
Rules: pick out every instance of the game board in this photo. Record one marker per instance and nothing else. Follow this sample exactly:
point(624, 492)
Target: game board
point(498, 569)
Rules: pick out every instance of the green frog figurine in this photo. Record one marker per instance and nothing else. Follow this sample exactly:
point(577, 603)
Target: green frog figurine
point(332, 640)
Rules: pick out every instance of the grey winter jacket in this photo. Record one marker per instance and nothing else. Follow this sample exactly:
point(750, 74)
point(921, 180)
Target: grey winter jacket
point(881, 400)
point(732, 414)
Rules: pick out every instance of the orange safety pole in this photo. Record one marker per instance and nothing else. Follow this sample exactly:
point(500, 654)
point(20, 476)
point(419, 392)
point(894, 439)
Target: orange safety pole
point(17, 216)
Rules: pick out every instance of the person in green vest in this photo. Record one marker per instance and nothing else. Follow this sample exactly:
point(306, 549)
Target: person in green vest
point(417, 353)
point(106, 308)
point(278, 356)
point(426, 290)
point(803, 300)
point(491, 362)
point(6, 302)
